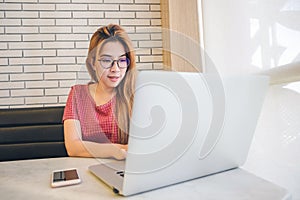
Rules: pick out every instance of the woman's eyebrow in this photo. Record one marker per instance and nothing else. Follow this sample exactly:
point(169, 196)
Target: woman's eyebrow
point(107, 55)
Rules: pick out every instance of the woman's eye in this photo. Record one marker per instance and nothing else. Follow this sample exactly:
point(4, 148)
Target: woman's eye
point(106, 60)
point(123, 60)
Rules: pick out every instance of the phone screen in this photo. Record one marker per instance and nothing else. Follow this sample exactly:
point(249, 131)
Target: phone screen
point(65, 175)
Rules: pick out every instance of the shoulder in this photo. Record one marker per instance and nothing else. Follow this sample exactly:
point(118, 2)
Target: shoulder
point(79, 87)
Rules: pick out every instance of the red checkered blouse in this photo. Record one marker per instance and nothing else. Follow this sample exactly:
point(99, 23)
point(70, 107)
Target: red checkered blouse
point(98, 123)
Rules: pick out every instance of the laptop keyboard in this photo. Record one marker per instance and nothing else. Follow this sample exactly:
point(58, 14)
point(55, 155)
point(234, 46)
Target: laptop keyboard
point(120, 173)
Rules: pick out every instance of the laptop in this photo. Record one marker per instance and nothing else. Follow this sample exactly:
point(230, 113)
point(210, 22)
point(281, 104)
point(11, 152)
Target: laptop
point(185, 125)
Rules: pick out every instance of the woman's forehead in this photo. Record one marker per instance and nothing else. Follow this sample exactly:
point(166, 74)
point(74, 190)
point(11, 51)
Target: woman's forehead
point(112, 48)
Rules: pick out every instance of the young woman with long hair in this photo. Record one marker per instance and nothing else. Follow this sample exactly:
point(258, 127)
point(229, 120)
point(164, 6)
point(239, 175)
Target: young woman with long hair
point(97, 115)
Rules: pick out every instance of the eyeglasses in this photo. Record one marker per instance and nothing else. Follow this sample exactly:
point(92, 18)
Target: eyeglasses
point(107, 63)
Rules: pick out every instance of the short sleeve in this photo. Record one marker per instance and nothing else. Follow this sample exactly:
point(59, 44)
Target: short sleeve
point(70, 111)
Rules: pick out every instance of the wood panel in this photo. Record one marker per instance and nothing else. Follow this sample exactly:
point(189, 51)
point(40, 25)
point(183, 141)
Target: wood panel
point(181, 38)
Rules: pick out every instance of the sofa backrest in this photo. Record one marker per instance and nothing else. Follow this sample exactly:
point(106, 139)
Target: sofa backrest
point(28, 133)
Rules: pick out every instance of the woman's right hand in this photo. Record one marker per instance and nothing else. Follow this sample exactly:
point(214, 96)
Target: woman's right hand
point(121, 152)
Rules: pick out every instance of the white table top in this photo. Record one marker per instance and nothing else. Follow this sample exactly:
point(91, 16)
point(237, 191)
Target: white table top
point(30, 179)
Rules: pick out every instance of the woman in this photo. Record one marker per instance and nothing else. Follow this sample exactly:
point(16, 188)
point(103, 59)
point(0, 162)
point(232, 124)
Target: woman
point(96, 116)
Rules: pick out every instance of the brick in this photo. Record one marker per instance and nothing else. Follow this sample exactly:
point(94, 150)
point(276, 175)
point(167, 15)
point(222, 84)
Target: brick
point(40, 100)
point(4, 77)
point(148, 29)
point(139, 37)
point(11, 69)
point(151, 58)
point(10, 37)
point(83, 77)
point(3, 45)
point(85, 29)
point(37, 6)
point(3, 61)
point(67, 83)
point(82, 45)
point(39, 53)
point(59, 60)
point(11, 101)
point(5, 85)
point(87, 1)
point(55, 29)
point(150, 44)
point(134, 7)
point(22, 14)
point(39, 68)
point(11, 22)
point(68, 22)
point(129, 29)
point(62, 99)
point(60, 76)
point(72, 52)
point(103, 7)
point(58, 45)
point(71, 37)
point(21, 30)
point(10, 53)
point(144, 66)
point(25, 45)
point(143, 51)
point(81, 60)
point(120, 15)
point(150, 15)
point(102, 22)
point(27, 92)
point(55, 15)
point(135, 22)
point(70, 68)
point(56, 91)
point(4, 93)
point(55, 1)
point(41, 84)
point(155, 22)
point(77, 14)
point(21, 1)
point(71, 7)
point(148, 1)
point(156, 51)
point(118, 1)
point(10, 6)
point(158, 66)
point(155, 7)
point(38, 22)
point(156, 36)
point(25, 61)
point(38, 37)
point(26, 77)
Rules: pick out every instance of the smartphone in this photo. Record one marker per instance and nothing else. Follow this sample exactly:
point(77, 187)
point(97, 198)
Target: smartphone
point(65, 177)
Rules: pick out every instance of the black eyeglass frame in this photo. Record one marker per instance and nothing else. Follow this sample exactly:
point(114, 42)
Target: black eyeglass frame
point(113, 62)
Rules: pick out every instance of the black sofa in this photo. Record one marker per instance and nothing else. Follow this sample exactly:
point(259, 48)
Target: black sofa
point(29, 133)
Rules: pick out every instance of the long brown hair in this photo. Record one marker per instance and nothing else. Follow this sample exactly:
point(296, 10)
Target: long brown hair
point(125, 90)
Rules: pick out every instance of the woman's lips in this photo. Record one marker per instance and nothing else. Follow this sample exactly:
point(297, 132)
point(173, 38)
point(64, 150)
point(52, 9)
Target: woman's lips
point(114, 78)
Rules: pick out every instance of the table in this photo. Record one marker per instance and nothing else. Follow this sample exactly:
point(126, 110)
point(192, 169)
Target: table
point(30, 179)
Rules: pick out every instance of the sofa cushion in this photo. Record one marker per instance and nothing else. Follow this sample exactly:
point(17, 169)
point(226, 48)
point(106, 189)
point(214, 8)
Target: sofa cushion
point(27, 133)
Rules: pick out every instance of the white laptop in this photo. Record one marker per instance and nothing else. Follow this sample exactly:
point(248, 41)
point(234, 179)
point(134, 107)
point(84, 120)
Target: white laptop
point(184, 126)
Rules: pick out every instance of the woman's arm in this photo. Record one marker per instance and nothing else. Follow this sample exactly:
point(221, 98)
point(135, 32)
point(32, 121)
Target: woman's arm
point(76, 147)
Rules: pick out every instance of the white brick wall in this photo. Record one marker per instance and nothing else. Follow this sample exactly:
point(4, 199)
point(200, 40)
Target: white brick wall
point(43, 44)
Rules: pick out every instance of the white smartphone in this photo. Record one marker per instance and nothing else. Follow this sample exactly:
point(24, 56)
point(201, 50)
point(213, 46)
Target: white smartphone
point(65, 177)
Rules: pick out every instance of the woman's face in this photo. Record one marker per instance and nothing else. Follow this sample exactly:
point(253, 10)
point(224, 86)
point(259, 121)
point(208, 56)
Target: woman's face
point(112, 76)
